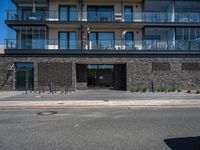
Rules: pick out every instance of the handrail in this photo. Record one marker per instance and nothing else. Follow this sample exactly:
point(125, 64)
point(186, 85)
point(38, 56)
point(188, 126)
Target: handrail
point(53, 15)
point(112, 44)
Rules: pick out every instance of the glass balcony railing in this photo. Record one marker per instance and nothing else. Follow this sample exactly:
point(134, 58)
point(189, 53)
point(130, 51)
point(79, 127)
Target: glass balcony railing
point(137, 45)
point(157, 17)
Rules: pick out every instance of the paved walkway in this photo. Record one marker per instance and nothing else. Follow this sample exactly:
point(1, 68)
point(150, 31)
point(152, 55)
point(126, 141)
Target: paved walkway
point(99, 99)
point(100, 95)
point(7, 94)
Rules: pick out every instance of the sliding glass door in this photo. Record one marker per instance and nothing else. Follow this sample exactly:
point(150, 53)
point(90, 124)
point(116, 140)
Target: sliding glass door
point(67, 13)
point(67, 40)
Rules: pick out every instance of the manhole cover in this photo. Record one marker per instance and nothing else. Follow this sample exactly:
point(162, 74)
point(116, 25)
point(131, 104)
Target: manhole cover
point(46, 113)
point(60, 103)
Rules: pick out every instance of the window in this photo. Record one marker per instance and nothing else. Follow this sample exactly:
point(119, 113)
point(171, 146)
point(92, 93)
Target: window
point(31, 37)
point(67, 40)
point(160, 66)
point(101, 40)
point(188, 38)
point(100, 13)
point(128, 13)
point(67, 13)
point(190, 66)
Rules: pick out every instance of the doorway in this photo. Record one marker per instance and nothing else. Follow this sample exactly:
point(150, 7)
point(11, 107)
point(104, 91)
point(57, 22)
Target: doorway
point(100, 76)
point(24, 76)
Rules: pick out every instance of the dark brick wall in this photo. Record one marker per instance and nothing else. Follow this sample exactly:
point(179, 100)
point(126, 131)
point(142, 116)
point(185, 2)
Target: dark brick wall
point(56, 73)
point(139, 70)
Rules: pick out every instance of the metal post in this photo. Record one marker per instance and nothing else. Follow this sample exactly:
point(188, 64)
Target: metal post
point(65, 89)
point(39, 90)
point(52, 88)
point(55, 88)
point(152, 87)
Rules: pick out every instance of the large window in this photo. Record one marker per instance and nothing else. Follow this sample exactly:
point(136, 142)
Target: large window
point(187, 11)
point(159, 38)
point(67, 13)
point(100, 13)
point(188, 38)
point(67, 40)
point(101, 40)
point(31, 37)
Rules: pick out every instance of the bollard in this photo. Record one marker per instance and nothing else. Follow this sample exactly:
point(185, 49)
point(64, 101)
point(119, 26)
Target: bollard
point(55, 88)
point(39, 90)
point(52, 88)
point(65, 89)
point(43, 89)
point(152, 87)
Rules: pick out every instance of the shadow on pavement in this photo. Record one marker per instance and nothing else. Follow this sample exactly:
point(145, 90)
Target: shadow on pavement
point(188, 143)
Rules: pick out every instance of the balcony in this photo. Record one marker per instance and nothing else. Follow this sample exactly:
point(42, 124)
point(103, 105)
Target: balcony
point(137, 17)
point(101, 47)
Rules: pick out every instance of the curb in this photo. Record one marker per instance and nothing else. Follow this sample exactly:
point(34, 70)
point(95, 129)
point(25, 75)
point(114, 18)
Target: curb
point(97, 106)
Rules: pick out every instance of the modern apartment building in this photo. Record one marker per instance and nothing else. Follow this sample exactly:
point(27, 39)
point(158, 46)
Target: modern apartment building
point(117, 44)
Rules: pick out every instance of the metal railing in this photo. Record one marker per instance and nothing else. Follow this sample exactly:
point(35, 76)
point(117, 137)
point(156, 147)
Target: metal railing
point(102, 44)
point(90, 16)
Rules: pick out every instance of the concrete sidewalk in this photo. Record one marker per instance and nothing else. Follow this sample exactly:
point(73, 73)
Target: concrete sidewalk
point(96, 104)
point(7, 94)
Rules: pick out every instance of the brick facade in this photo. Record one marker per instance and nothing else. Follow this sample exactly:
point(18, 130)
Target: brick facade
point(138, 71)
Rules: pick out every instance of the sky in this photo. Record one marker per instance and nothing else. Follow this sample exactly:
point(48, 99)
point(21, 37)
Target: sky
point(4, 30)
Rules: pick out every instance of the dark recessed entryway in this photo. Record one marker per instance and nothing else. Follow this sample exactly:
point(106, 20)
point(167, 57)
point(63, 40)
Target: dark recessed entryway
point(110, 76)
point(24, 76)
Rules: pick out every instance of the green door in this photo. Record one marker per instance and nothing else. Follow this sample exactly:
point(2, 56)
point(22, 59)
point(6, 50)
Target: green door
point(24, 79)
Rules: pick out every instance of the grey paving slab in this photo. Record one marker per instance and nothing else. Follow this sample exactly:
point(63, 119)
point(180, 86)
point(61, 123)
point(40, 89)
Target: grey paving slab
point(95, 95)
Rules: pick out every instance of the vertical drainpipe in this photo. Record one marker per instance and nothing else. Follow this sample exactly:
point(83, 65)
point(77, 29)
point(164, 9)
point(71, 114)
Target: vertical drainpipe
point(174, 19)
point(14, 78)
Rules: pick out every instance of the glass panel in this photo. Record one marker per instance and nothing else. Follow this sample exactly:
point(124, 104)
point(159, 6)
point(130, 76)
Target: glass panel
point(100, 13)
point(93, 41)
point(63, 40)
point(24, 65)
point(106, 40)
point(63, 13)
point(128, 13)
point(92, 14)
point(129, 40)
point(105, 13)
point(72, 40)
point(73, 13)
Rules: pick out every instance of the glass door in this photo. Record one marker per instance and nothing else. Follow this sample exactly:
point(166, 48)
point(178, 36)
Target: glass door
point(67, 40)
point(129, 38)
point(128, 13)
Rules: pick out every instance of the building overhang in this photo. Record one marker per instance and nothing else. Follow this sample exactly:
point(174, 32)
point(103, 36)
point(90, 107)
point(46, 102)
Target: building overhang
point(29, 1)
point(102, 53)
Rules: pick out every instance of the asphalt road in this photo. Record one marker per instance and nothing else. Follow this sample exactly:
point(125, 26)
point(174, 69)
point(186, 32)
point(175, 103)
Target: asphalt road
point(101, 129)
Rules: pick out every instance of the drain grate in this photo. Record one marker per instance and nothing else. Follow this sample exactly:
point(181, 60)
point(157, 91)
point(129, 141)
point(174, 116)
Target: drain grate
point(105, 100)
point(47, 113)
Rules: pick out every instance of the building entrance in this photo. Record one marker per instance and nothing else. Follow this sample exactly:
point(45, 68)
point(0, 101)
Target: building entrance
point(100, 76)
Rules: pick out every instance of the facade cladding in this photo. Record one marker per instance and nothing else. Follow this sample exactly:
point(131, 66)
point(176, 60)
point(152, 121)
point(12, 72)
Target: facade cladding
point(116, 44)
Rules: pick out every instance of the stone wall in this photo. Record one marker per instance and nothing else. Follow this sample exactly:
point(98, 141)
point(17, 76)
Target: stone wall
point(138, 70)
